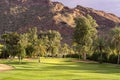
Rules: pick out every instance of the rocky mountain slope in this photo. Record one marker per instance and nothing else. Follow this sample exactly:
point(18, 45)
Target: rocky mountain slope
point(20, 15)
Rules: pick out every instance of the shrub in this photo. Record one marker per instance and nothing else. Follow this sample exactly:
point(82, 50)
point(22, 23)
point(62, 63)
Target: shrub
point(97, 57)
point(113, 59)
point(72, 56)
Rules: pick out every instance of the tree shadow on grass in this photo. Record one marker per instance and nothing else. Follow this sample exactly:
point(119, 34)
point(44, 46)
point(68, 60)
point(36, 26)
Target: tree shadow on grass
point(17, 63)
point(67, 65)
point(75, 67)
point(85, 67)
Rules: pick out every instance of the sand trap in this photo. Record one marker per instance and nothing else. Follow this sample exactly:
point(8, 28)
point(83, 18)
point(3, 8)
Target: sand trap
point(4, 67)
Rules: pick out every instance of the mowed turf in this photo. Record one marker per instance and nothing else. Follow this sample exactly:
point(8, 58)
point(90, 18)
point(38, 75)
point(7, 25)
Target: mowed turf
point(59, 69)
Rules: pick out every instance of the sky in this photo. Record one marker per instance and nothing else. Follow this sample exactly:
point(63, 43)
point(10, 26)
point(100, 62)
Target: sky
point(110, 6)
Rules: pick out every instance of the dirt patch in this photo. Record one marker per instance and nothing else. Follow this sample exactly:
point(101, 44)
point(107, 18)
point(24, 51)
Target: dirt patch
point(4, 67)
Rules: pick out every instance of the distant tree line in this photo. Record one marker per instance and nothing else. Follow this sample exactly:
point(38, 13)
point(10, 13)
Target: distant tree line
point(31, 44)
point(87, 43)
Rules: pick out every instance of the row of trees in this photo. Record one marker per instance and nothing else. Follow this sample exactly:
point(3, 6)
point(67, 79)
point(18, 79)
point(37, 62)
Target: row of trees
point(31, 44)
point(88, 41)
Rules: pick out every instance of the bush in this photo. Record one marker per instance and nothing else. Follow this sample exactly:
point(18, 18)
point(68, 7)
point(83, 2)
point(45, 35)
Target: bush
point(4, 54)
point(72, 56)
point(113, 59)
point(97, 57)
point(106, 57)
point(94, 56)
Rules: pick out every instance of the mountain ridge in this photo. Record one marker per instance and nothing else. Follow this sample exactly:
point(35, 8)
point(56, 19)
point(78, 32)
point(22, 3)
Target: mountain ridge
point(20, 15)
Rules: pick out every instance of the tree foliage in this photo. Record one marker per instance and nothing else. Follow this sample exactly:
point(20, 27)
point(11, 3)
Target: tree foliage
point(115, 41)
point(11, 43)
point(84, 34)
point(32, 43)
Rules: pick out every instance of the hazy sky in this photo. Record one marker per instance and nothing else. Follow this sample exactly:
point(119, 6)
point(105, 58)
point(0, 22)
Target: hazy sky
point(111, 6)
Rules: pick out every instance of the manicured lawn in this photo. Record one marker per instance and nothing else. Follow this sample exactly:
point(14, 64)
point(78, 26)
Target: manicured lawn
point(60, 69)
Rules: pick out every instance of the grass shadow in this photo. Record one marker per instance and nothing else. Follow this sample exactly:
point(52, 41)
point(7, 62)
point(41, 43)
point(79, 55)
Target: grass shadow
point(66, 65)
point(81, 66)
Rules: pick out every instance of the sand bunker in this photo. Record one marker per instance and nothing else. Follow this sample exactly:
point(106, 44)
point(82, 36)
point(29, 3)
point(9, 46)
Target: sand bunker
point(4, 67)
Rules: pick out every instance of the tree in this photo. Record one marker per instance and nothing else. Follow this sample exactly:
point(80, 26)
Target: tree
point(39, 49)
point(99, 46)
point(22, 45)
point(32, 40)
point(32, 35)
point(15, 44)
point(29, 50)
point(71, 51)
point(3, 53)
point(65, 49)
point(11, 43)
point(44, 36)
point(1, 46)
point(21, 53)
point(54, 39)
point(84, 34)
point(115, 40)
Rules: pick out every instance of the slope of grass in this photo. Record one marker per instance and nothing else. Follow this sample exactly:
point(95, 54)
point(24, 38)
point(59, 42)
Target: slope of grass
point(60, 69)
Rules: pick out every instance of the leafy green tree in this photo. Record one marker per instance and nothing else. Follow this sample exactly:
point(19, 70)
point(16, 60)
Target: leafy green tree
point(51, 40)
point(15, 44)
point(84, 34)
point(29, 50)
point(22, 45)
point(4, 54)
point(54, 39)
point(40, 49)
point(21, 53)
point(65, 49)
point(99, 46)
point(115, 35)
point(1, 46)
point(11, 43)
point(71, 51)
point(43, 36)
point(32, 35)
point(32, 41)
point(92, 22)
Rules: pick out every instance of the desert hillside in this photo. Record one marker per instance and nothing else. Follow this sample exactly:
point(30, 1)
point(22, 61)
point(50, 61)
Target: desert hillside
point(20, 15)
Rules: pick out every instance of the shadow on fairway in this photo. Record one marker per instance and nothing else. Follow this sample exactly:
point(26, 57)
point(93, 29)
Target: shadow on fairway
point(17, 63)
point(76, 67)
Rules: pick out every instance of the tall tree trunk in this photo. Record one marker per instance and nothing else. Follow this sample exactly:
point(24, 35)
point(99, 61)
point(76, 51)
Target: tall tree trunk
point(101, 57)
point(79, 56)
point(118, 61)
point(19, 59)
point(65, 55)
point(39, 59)
point(52, 56)
point(84, 56)
point(70, 56)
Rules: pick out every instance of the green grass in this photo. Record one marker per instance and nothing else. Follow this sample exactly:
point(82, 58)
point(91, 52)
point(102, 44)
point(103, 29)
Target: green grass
point(60, 69)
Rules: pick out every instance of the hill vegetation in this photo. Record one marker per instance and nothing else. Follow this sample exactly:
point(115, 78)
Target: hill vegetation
point(20, 15)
